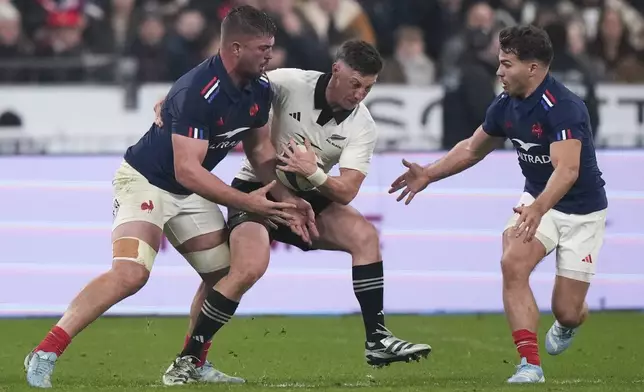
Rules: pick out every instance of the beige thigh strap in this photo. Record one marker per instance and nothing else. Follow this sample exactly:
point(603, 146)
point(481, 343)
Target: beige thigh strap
point(209, 260)
point(135, 250)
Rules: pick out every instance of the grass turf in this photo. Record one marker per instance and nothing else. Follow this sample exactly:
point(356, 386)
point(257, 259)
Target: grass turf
point(471, 353)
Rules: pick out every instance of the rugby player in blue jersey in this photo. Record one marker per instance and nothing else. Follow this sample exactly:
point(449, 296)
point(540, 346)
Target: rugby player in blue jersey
point(165, 185)
point(563, 205)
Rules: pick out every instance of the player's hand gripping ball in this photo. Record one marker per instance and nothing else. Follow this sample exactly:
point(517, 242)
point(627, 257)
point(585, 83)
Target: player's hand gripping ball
point(293, 166)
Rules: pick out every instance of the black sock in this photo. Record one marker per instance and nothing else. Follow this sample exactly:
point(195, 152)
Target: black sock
point(368, 285)
point(215, 312)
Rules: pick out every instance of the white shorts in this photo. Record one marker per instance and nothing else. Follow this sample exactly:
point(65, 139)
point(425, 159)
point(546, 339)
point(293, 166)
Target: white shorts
point(577, 239)
point(181, 217)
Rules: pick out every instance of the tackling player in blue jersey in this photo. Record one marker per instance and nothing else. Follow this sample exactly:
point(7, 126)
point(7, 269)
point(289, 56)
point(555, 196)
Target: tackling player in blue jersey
point(164, 184)
point(563, 207)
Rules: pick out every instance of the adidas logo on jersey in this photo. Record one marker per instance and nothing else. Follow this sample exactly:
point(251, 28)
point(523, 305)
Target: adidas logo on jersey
point(295, 115)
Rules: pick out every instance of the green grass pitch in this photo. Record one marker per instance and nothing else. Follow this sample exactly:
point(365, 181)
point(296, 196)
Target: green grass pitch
point(471, 353)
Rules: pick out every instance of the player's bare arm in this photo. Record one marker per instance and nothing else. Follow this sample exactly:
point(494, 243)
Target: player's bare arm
point(464, 155)
point(157, 112)
point(261, 153)
point(565, 155)
point(262, 156)
point(188, 155)
point(341, 189)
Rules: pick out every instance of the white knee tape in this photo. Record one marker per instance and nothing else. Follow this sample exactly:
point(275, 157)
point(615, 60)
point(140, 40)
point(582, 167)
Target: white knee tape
point(135, 250)
point(209, 260)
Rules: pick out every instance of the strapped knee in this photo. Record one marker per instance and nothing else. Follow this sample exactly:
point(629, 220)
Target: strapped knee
point(135, 250)
point(210, 260)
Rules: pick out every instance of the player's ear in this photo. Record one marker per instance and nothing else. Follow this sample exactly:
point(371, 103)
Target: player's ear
point(533, 68)
point(335, 68)
point(236, 47)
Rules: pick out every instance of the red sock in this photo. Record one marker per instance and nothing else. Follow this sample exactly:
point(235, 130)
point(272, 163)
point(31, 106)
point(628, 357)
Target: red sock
point(56, 341)
point(527, 346)
point(204, 353)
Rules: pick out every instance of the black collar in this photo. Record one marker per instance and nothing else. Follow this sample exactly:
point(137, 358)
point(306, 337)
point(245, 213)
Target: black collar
point(226, 82)
point(320, 102)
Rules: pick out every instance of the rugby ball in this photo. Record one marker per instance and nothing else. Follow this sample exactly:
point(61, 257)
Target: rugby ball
point(294, 181)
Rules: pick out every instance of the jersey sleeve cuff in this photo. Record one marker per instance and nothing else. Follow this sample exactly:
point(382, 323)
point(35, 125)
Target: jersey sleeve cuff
point(566, 134)
point(364, 169)
point(191, 132)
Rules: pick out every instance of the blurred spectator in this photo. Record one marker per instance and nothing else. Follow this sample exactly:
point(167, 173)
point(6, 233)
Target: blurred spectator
point(512, 12)
point(149, 48)
point(612, 46)
point(296, 43)
point(111, 25)
point(181, 33)
point(453, 14)
point(164, 8)
point(187, 42)
point(62, 45)
point(573, 69)
point(409, 65)
point(479, 22)
point(336, 21)
point(473, 88)
point(13, 46)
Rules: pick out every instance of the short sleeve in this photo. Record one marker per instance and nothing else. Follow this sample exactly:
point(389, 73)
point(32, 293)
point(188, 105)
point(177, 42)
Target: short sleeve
point(280, 79)
point(492, 125)
point(188, 114)
point(568, 120)
point(263, 106)
point(358, 152)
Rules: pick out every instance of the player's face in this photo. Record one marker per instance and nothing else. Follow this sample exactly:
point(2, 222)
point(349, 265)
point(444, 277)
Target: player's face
point(514, 73)
point(255, 54)
point(350, 87)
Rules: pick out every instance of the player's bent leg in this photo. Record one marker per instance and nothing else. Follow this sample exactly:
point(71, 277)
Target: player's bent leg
point(135, 245)
point(577, 257)
point(209, 256)
point(344, 228)
point(517, 263)
point(570, 310)
point(249, 257)
point(218, 306)
point(248, 262)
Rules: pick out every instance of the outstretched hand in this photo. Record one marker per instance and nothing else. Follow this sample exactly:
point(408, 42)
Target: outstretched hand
point(413, 181)
point(303, 222)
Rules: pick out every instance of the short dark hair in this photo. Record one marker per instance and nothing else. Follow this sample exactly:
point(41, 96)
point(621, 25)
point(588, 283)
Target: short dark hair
point(361, 56)
point(527, 42)
point(247, 20)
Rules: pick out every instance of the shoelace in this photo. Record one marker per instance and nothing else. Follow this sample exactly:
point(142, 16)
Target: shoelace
point(382, 330)
point(184, 368)
point(43, 366)
point(565, 333)
point(523, 370)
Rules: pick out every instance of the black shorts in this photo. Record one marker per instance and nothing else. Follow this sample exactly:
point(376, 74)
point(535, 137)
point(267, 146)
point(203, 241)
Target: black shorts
point(283, 233)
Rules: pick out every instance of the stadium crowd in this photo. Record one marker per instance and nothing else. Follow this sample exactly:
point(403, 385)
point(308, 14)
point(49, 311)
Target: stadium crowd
point(425, 41)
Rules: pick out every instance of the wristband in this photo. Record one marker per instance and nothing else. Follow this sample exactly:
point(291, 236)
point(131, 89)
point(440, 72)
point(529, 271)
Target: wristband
point(318, 178)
